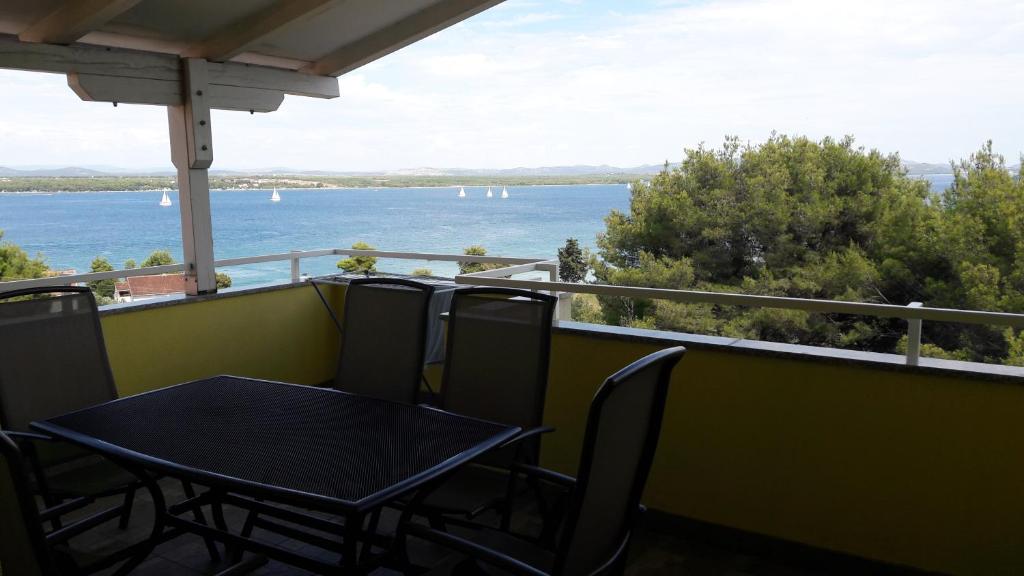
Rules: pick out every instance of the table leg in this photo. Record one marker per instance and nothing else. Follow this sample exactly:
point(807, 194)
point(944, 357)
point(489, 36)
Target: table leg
point(371, 535)
point(159, 521)
point(197, 513)
point(350, 545)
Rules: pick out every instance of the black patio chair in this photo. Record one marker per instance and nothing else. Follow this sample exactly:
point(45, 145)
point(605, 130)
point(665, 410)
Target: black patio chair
point(496, 368)
point(383, 332)
point(25, 550)
point(602, 502)
point(53, 360)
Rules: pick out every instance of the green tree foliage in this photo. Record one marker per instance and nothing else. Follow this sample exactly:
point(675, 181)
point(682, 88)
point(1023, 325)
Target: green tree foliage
point(103, 289)
point(795, 217)
point(470, 267)
point(158, 258)
point(223, 280)
point(572, 262)
point(15, 263)
point(359, 264)
point(586, 308)
point(422, 272)
point(129, 264)
point(1016, 345)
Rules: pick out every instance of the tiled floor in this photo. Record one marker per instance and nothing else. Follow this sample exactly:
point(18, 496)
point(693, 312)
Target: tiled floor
point(653, 554)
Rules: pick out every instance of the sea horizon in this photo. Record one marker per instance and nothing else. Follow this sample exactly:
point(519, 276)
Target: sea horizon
point(69, 229)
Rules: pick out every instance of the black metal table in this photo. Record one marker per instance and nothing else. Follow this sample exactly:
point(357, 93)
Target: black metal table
point(300, 445)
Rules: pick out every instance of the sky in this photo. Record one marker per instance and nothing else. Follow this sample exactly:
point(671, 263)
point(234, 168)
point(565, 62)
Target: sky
point(625, 83)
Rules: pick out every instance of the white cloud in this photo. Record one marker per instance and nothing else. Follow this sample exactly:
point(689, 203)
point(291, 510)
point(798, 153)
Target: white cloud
point(929, 79)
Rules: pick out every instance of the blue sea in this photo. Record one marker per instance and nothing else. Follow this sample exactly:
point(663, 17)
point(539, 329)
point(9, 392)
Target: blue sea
point(71, 229)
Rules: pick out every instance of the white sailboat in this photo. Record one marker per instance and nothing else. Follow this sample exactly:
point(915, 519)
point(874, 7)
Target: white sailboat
point(462, 192)
point(489, 194)
point(275, 197)
point(504, 192)
point(166, 200)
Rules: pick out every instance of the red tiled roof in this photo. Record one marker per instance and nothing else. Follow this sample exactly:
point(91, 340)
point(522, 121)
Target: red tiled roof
point(156, 285)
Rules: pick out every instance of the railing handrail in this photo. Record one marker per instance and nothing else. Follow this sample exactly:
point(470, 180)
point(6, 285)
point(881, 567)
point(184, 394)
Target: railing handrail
point(61, 280)
point(733, 299)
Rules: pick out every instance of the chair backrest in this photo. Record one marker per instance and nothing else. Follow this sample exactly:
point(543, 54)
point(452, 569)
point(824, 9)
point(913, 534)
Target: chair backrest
point(52, 356)
point(23, 549)
point(618, 448)
point(383, 337)
point(496, 363)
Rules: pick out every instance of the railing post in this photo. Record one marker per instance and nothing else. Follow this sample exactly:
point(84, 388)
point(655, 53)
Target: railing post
point(296, 275)
point(552, 266)
point(914, 337)
point(563, 310)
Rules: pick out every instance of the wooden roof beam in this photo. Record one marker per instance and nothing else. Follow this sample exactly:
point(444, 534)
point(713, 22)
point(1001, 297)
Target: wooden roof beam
point(398, 35)
point(241, 35)
point(138, 66)
point(74, 19)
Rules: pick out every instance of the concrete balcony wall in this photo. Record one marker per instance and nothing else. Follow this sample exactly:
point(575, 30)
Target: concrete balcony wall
point(906, 466)
point(276, 334)
point(915, 466)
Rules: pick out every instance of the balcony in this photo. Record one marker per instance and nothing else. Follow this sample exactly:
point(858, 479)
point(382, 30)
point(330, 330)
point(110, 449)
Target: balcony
point(774, 458)
point(778, 454)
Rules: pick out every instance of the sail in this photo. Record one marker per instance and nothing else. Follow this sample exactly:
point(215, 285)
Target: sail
point(504, 192)
point(489, 194)
point(275, 197)
point(462, 192)
point(166, 200)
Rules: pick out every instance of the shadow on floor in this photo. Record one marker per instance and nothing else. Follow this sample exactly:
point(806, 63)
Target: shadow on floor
point(656, 551)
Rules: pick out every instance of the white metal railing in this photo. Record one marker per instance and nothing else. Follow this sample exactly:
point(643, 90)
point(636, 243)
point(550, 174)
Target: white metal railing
point(294, 257)
point(914, 313)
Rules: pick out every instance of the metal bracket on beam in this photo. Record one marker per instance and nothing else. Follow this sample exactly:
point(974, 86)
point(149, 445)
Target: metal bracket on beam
point(124, 90)
point(197, 113)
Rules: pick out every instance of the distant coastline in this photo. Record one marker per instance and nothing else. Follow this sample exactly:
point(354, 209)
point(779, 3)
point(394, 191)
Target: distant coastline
point(74, 184)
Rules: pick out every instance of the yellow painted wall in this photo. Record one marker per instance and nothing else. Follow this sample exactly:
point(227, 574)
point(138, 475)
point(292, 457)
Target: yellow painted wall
point(907, 468)
point(913, 469)
point(278, 335)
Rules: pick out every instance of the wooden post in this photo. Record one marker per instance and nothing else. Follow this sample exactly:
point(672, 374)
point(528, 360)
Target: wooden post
point(192, 154)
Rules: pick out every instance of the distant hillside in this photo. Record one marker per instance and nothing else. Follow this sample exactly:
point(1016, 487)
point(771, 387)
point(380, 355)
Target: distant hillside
point(923, 168)
point(543, 171)
point(603, 172)
point(69, 172)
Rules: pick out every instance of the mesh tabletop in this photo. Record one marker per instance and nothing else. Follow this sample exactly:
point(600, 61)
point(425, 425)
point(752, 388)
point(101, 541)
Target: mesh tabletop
point(340, 448)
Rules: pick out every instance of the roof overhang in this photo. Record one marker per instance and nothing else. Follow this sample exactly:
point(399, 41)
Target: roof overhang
point(131, 50)
point(194, 56)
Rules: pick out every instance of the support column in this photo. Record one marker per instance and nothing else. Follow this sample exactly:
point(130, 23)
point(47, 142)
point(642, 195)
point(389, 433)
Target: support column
point(192, 155)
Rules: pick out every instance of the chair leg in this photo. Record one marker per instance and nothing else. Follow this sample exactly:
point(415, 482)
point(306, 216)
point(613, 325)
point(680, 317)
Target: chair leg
point(197, 513)
point(29, 450)
point(126, 508)
point(506, 504)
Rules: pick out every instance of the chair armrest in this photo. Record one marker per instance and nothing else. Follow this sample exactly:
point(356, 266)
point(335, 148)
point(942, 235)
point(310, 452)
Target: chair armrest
point(15, 435)
point(546, 475)
point(474, 550)
point(527, 434)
